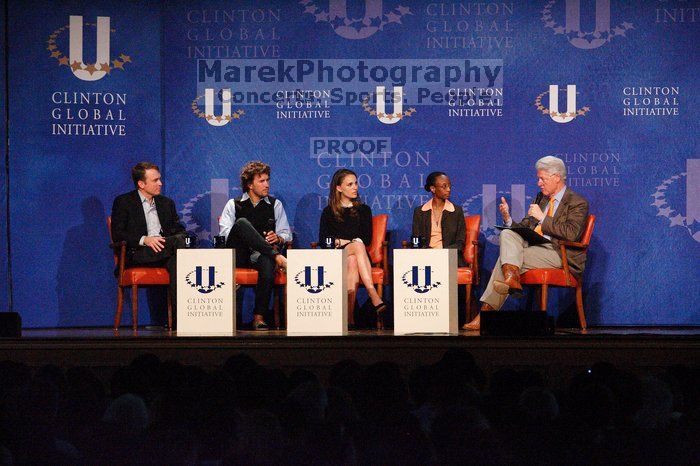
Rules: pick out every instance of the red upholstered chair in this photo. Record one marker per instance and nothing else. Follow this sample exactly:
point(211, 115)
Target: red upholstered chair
point(562, 277)
point(378, 252)
point(135, 277)
point(469, 275)
point(249, 277)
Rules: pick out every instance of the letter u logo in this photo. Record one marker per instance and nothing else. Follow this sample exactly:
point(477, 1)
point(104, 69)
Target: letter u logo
point(201, 273)
point(427, 280)
point(573, 23)
point(225, 117)
point(391, 118)
point(339, 9)
point(89, 72)
point(570, 103)
point(308, 279)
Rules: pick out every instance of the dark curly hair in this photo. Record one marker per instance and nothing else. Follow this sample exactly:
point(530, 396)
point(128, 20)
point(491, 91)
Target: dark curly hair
point(249, 170)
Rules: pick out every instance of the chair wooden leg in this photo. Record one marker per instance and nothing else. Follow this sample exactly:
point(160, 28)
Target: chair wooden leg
point(543, 298)
point(120, 307)
point(134, 305)
point(468, 298)
point(579, 307)
point(170, 312)
point(380, 317)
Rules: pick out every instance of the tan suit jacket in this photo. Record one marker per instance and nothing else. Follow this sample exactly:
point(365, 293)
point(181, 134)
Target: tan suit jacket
point(567, 224)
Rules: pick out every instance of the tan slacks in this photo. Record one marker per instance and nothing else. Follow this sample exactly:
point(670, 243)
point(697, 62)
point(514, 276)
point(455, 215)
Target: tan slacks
point(516, 251)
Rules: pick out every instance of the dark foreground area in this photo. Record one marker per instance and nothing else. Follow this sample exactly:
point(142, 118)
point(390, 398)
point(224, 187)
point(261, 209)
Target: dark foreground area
point(154, 411)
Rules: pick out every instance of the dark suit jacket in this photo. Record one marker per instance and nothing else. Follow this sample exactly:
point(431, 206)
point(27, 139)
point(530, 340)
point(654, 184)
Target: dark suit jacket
point(454, 230)
point(129, 220)
point(568, 224)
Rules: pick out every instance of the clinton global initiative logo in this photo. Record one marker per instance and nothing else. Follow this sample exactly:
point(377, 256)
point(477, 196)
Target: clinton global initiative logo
point(651, 101)
point(490, 216)
point(313, 279)
point(395, 98)
point(200, 213)
point(420, 282)
point(103, 64)
point(203, 279)
point(553, 110)
point(374, 20)
point(669, 198)
point(225, 99)
point(602, 33)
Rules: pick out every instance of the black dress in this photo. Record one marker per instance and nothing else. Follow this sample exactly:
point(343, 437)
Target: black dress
point(356, 223)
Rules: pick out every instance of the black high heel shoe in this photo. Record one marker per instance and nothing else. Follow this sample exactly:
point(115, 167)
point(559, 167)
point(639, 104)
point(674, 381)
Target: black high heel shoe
point(380, 310)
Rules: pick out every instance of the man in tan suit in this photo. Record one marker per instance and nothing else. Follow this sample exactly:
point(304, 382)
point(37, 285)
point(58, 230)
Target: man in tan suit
point(560, 215)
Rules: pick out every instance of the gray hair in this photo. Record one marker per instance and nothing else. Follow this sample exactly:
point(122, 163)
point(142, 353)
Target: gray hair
point(552, 165)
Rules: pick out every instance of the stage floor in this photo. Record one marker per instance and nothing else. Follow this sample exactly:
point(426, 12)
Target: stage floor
point(152, 332)
point(643, 350)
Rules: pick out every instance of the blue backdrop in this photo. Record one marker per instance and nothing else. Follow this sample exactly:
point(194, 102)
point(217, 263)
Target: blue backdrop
point(4, 283)
point(474, 80)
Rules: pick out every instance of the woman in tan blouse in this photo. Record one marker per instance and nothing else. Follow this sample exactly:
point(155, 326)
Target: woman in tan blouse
point(439, 223)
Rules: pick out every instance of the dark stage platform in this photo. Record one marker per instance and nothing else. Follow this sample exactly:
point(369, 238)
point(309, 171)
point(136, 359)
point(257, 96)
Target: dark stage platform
point(642, 350)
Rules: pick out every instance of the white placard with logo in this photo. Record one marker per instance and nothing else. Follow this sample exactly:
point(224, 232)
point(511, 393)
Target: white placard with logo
point(206, 292)
point(425, 291)
point(317, 300)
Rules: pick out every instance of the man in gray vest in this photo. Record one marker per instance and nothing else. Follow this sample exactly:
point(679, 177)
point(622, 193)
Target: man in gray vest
point(256, 225)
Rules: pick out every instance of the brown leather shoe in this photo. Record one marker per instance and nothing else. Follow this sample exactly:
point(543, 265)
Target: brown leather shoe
point(475, 324)
point(511, 282)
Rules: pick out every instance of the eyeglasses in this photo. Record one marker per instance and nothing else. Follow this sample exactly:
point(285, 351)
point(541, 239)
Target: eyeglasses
point(543, 179)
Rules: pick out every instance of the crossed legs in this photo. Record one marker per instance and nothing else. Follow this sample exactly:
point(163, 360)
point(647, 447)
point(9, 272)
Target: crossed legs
point(359, 269)
point(167, 257)
point(263, 257)
point(515, 251)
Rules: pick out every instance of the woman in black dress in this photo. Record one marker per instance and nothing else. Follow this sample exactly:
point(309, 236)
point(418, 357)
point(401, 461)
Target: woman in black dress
point(349, 221)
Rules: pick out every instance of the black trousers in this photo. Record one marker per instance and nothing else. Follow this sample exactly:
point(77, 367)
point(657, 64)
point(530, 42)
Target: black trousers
point(252, 251)
point(143, 256)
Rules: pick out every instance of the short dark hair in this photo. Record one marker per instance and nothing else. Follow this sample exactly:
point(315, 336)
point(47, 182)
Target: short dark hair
point(249, 171)
point(432, 178)
point(138, 173)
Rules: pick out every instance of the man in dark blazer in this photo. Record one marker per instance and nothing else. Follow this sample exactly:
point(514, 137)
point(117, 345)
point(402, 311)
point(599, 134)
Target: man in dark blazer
point(149, 224)
point(558, 214)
